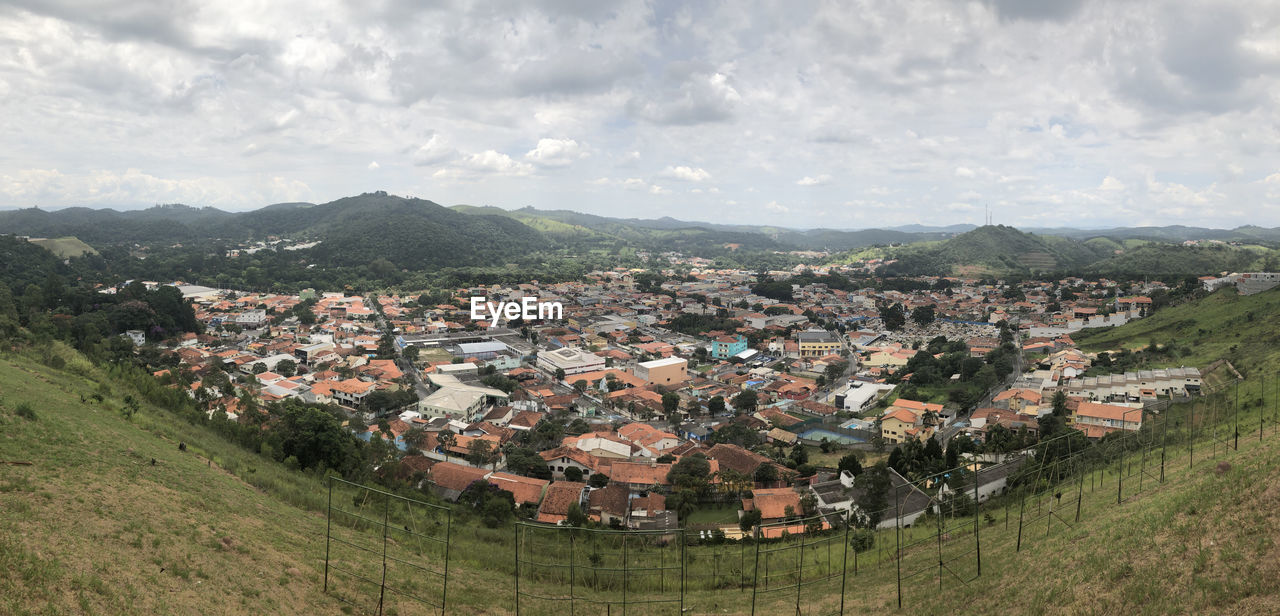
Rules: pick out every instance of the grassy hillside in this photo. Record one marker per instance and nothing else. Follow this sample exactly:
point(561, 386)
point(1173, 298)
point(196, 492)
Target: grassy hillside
point(65, 247)
point(93, 527)
point(1243, 329)
point(996, 250)
point(1156, 259)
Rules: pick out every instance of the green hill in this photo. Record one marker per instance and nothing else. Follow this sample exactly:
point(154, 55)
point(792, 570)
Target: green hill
point(996, 250)
point(1166, 260)
point(65, 247)
point(1244, 329)
point(91, 526)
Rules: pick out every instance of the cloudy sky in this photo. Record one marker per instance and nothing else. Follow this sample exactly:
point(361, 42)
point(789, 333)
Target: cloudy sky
point(842, 114)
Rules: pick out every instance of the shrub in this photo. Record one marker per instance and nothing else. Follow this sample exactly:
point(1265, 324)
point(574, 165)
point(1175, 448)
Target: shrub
point(25, 411)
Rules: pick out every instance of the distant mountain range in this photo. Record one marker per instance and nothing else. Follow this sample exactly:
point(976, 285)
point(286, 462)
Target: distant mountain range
point(415, 233)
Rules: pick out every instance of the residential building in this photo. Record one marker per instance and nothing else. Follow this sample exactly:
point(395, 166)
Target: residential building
point(816, 343)
point(669, 371)
point(1098, 420)
point(726, 347)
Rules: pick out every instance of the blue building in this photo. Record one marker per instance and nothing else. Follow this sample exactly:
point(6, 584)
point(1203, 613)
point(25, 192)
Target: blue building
point(725, 347)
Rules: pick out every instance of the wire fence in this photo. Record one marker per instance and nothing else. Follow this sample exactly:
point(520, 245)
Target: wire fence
point(384, 550)
point(386, 553)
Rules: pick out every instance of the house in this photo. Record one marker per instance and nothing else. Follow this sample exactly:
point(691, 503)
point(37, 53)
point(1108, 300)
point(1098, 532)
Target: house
point(565, 457)
point(560, 496)
point(983, 419)
point(451, 479)
point(526, 490)
point(905, 501)
point(774, 504)
point(1098, 420)
point(651, 440)
point(639, 476)
point(650, 513)
point(1019, 399)
point(725, 347)
point(351, 392)
point(609, 505)
point(899, 424)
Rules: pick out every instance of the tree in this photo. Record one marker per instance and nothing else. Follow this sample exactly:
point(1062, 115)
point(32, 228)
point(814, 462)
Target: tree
point(447, 440)
point(893, 317)
point(849, 462)
point(598, 480)
point(573, 473)
point(575, 515)
point(580, 385)
point(749, 520)
point(670, 403)
point(799, 454)
point(766, 472)
point(1060, 403)
point(481, 453)
point(923, 315)
point(683, 502)
point(874, 486)
point(715, 406)
point(691, 473)
point(286, 368)
point(559, 374)
point(746, 401)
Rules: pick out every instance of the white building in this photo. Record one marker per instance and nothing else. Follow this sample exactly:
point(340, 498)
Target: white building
point(571, 360)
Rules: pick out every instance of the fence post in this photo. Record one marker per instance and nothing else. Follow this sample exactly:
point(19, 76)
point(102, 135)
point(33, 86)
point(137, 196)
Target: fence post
point(328, 532)
point(382, 588)
point(844, 566)
point(517, 543)
point(573, 594)
point(897, 555)
point(448, 541)
point(800, 569)
point(977, 513)
point(684, 566)
point(755, 575)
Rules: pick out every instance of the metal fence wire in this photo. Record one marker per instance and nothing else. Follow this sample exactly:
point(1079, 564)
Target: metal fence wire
point(386, 553)
point(564, 570)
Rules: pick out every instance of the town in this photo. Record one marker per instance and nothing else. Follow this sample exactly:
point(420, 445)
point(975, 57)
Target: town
point(715, 400)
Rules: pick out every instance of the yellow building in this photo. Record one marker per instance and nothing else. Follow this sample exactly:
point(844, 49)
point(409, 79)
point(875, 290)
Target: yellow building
point(669, 371)
point(899, 424)
point(816, 343)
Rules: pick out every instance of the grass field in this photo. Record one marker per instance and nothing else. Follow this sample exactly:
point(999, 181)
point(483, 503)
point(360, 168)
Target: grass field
point(91, 526)
point(65, 247)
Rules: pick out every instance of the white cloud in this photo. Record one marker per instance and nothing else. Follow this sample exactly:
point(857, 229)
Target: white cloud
point(373, 166)
point(774, 206)
point(1109, 183)
point(686, 174)
point(555, 153)
point(436, 150)
point(181, 93)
